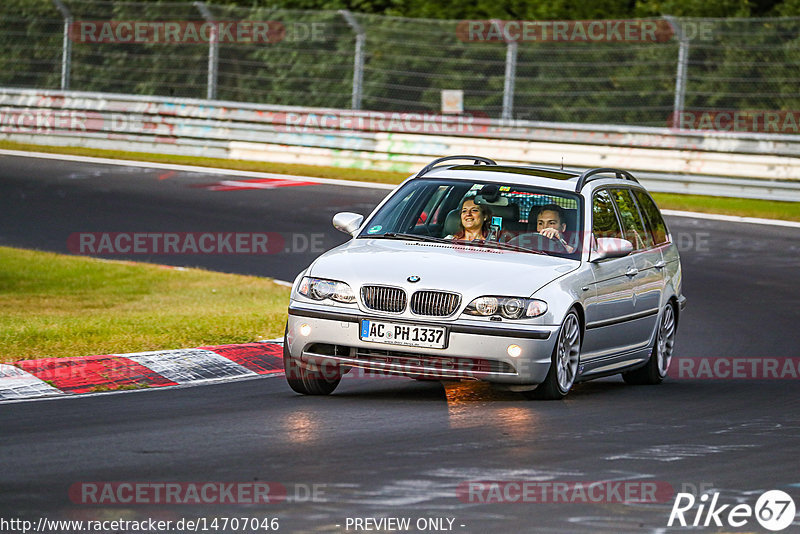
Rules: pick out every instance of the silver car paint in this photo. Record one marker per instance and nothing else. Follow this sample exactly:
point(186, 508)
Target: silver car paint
point(601, 291)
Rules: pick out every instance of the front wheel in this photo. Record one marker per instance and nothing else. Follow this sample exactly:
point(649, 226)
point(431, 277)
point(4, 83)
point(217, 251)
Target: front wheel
point(308, 381)
point(660, 357)
point(564, 362)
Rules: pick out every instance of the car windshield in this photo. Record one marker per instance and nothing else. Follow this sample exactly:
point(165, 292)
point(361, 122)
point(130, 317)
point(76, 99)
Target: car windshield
point(509, 216)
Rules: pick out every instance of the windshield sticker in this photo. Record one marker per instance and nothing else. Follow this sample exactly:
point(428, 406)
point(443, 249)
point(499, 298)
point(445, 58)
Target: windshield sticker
point(375, 229)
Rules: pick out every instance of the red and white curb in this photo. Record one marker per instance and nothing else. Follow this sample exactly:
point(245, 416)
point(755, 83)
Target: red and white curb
point(26, 379)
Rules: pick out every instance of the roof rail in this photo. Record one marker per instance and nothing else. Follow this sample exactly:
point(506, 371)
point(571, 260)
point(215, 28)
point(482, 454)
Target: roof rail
point(591, 174)
point(432, 164)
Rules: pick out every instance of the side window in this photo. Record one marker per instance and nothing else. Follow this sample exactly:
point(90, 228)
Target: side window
point(655, 221)
point(430, 213)
point(632, 223)
point(604, 220)
point(405, 208)
point(402, 211)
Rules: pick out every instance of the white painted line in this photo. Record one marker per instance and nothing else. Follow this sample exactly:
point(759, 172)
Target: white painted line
point(276, 340)
point(190, 365)
point(731, 218)
point(193, 168)
point(282, 282)
point(16, 383)
point(142, 390)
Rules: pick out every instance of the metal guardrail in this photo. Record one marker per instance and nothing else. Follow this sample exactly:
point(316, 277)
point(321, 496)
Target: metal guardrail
point(747, 165)
point(720, 186)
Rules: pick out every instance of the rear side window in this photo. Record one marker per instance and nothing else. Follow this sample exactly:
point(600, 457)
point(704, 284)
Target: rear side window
point(654, 220)
point(632, 223)
point(604, 220)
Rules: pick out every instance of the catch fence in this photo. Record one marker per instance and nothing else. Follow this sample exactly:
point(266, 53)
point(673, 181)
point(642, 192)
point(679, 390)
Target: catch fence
point(638, 72)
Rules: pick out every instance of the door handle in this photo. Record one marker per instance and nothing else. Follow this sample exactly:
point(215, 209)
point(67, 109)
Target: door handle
point(660, 264)
point(632, 271)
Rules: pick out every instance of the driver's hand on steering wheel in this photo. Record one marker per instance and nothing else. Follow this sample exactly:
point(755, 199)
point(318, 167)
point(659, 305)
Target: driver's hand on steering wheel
point(550, 233)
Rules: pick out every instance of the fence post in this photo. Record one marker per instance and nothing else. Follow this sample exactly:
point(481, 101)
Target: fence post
point(358, 61)
point(683, 65)
point(510, 79)
point(66, 45)
point(213, 51)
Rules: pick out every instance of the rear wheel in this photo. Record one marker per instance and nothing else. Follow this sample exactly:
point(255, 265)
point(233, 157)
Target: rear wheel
point(564, 362)
point(309, 381)
point(656, 368)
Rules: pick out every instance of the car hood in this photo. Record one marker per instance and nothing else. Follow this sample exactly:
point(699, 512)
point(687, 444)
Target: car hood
point(461, 268)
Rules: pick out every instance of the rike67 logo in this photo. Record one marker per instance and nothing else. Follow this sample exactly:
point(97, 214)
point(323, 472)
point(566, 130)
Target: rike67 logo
point(774, 510)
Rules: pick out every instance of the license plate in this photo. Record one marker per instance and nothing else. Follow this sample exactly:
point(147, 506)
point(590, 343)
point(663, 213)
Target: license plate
point(431, 337)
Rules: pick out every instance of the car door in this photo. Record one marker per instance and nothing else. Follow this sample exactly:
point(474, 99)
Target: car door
point(611, 301)
point(648, 280)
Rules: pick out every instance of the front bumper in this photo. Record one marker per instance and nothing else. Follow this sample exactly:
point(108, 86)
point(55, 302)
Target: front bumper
point(474, 351)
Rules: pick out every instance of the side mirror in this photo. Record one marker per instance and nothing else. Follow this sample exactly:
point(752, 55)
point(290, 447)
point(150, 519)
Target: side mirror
point(611, 247)
point(347, 222)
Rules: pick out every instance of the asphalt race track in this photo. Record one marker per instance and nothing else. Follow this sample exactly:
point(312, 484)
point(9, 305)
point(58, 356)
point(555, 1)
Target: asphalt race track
point(398, 448)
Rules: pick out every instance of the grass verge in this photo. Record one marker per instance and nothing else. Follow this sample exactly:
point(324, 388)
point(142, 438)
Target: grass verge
point(743, 207)
point(54, 305)
point(766, 209)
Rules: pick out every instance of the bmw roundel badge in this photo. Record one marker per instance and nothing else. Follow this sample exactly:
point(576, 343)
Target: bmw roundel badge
point(413, 279)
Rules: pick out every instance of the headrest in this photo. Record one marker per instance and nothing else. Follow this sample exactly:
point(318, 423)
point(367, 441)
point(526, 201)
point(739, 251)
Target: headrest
point(452, 223)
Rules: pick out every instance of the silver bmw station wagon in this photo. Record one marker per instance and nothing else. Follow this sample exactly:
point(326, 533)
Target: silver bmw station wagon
point(530, 278)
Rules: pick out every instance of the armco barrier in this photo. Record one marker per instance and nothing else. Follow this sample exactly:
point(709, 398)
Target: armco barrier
point(725, 163)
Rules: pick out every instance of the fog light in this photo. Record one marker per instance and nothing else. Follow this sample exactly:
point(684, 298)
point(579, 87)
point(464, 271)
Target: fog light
point(514, 351)
point(305, 329)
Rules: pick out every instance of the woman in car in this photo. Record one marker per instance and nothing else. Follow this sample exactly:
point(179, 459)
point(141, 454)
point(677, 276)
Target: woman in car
point(475, 221)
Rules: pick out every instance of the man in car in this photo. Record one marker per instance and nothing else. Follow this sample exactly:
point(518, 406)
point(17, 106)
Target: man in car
point(550, 223)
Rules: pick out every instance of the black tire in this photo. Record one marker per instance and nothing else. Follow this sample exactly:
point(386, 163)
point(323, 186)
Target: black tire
point(656, 367)
point(564, 362)
point(307, 381)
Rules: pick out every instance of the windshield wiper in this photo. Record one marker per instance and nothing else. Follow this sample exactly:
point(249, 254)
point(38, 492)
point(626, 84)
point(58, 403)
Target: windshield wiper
point(430, 238)
point(414, 237)
point(497, 244)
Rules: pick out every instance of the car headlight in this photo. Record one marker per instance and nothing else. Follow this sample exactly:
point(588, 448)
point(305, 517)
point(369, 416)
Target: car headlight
point(321, 289)
point(506, 307)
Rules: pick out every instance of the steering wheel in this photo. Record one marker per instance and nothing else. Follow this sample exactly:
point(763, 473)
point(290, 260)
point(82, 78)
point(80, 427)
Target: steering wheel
point(536, 241)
